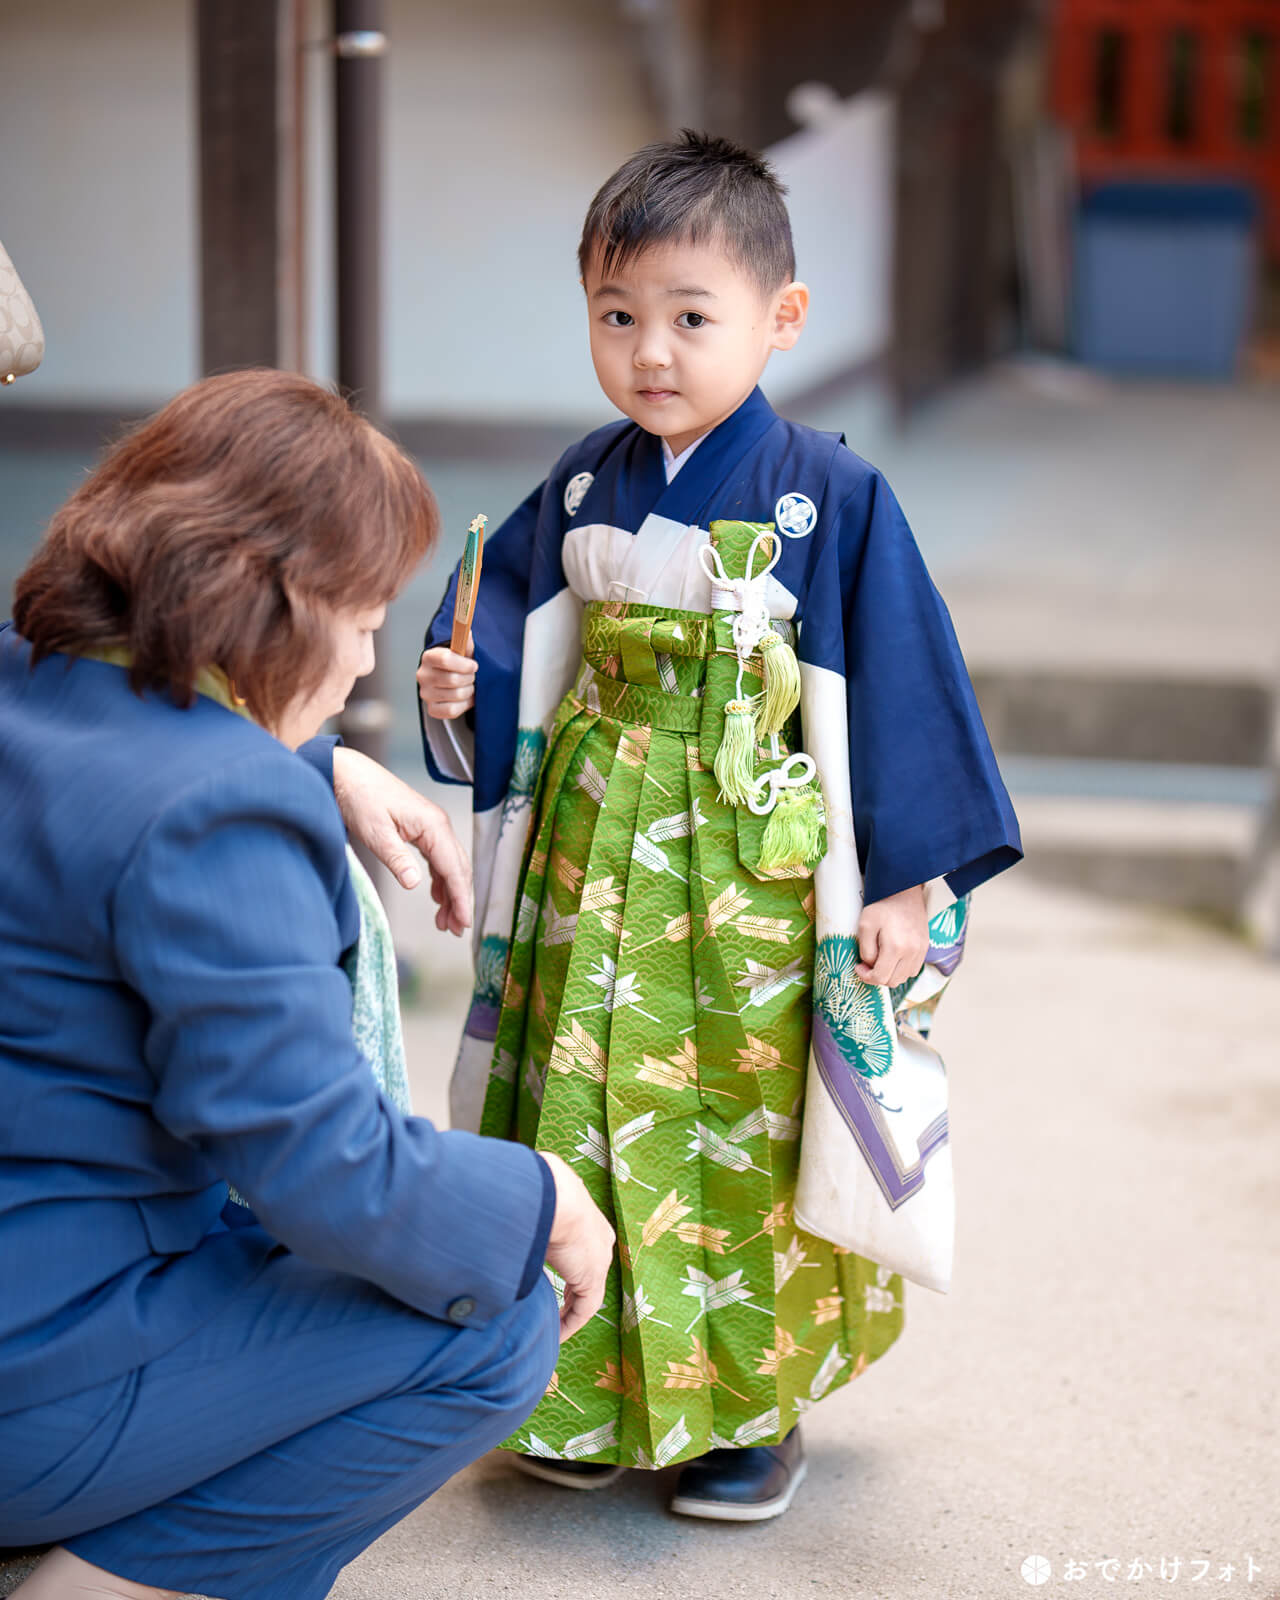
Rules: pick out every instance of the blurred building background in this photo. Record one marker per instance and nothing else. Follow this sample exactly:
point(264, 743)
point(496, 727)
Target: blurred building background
point(1042, 242)
point(1042, 239)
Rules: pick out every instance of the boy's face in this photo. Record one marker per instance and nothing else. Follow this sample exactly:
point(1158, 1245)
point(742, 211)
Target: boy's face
point(681, 334)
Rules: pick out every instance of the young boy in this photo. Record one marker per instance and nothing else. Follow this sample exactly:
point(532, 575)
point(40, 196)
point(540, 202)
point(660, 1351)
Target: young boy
point(698, 913)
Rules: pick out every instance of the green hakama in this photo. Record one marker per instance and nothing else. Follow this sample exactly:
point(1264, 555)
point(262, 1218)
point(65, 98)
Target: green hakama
point(654, 1032)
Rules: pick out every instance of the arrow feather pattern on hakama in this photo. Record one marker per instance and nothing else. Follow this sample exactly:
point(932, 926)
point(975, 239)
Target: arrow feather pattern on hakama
point(698, 1372)
point(773, 930)
point(787, 1262)
point(598, 894)
point(776, 1124)
point(663, 1218)
point(678, 1071)
point(534, 1446)
point(676, 826)
point(526, 919)
point(651, 855)
point(629, 1132)
point(591, 781)
point(703, 1236)
point(754, 1431)
point(826, 1373)
point(636, 1308)
point(714, 1294)
point(578, 1049)
point(729, 903)
point(765, 981)
point(677, 1438)
point(559, 927)
point(594, 1146)
point(587, 1444)
point(705, 1141)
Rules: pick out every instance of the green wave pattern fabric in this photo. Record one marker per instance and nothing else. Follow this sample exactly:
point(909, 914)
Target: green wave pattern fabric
point(370, 966)
point(654, 1032)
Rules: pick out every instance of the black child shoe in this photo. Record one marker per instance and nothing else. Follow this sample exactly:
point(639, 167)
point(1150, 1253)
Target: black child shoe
point(749, 1485)
point(570, 1474)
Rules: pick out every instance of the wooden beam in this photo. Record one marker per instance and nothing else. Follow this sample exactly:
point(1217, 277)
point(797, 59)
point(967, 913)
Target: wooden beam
point(250, 234)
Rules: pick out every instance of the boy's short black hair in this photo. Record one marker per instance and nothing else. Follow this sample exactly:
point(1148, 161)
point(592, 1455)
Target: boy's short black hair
point(695, 189)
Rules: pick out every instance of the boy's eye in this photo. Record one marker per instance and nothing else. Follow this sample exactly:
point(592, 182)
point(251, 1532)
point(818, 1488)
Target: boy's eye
point(690, 319)
point(618, 319)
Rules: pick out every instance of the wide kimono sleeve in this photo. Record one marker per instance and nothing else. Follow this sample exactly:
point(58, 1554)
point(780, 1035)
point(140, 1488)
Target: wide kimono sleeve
point(928, 799)
point(470, 749)
point(226, 928)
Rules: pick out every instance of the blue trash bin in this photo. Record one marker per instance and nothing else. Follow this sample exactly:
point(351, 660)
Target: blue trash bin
point(1165, 277)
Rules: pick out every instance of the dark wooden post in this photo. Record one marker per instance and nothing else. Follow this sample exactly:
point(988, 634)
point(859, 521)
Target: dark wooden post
point(360, 43)
point(250, 233)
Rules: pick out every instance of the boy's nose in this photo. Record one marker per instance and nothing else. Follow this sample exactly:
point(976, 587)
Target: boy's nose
point(651, 352)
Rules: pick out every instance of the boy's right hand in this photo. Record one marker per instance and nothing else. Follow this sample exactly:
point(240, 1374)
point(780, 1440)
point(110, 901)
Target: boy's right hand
point(447, 681)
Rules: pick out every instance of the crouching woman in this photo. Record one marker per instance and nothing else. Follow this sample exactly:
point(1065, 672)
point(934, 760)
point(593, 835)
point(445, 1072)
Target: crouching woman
point(194, 1395)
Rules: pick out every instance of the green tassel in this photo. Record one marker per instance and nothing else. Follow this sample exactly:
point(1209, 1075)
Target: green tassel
point(735, 763)
point(781, 683)
point(791, 834)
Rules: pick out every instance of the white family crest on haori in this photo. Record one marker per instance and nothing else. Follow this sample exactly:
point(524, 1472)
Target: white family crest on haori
point(795, 515)
point(575, 491)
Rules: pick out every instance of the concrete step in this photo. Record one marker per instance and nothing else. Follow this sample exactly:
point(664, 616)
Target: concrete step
point(1139, 786)
point(1108, 716)
point(1194, 857)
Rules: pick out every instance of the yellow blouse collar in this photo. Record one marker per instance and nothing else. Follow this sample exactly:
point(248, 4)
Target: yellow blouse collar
point(212, 682)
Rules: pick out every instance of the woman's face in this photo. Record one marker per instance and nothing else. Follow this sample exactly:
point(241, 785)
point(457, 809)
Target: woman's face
point(350, 657)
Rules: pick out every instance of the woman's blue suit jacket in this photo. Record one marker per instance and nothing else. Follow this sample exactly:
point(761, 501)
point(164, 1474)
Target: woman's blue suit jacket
point(174, 901)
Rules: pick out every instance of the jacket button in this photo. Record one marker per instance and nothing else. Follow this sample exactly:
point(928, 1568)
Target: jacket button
point(461, 1309)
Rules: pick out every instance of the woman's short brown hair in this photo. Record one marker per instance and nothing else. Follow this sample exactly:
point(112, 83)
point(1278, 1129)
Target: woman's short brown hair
point(221, 532)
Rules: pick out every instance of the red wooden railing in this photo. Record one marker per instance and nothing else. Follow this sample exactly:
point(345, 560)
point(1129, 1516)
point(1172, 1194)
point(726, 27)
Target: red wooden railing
point(1173, 87)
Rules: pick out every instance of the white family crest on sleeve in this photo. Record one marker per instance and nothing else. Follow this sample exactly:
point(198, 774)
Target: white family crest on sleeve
point(795, 515)
point(575, 491)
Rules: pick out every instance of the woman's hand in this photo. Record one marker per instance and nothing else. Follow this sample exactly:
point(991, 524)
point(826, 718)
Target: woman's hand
point(580, 1247)
point(893, 938)
point(447, 682)
point(394, 820)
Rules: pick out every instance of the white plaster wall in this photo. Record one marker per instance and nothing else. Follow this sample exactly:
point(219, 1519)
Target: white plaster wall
point(840, 179)
point(506, 116)
point(503, 116)
point(97, 193)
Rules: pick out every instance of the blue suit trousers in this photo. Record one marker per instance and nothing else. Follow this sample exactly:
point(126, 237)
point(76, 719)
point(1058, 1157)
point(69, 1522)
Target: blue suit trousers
point(269, 1449)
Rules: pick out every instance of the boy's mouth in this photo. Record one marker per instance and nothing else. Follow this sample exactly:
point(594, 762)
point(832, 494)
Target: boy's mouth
point(654, 395)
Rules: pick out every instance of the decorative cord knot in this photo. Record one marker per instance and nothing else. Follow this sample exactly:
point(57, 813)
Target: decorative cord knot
point(745, 595)
point(790, 797)
point(796, 772)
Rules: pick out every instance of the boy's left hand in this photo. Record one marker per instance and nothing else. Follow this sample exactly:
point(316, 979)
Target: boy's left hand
point(893, 938)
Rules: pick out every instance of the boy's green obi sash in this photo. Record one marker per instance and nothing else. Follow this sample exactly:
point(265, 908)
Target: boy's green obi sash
point(752, 691)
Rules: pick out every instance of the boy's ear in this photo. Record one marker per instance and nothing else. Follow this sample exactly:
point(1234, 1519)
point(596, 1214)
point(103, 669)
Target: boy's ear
point(790, 314)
